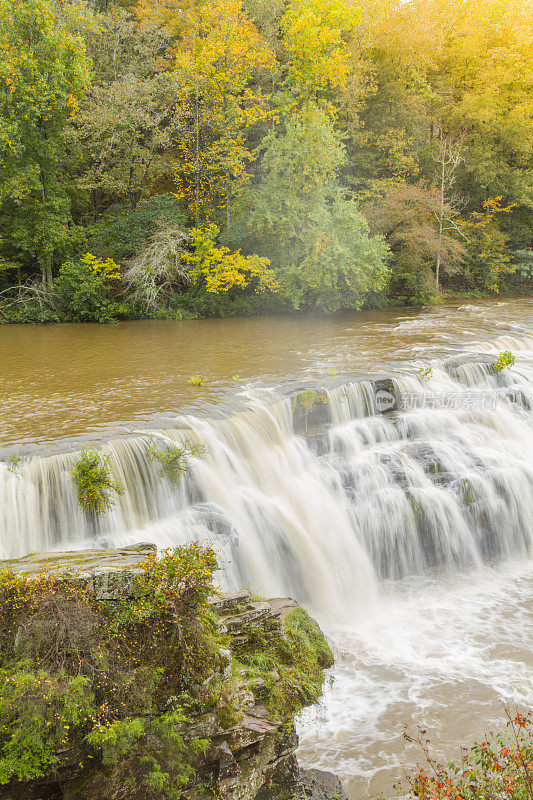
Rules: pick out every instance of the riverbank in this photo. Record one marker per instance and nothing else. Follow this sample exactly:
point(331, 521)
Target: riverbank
point(189, 306)
point(125, 675)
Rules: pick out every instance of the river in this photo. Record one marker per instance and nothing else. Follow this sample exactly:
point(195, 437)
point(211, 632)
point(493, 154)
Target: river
point(408, 534)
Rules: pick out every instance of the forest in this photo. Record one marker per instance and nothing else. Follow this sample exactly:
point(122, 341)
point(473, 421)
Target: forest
point(183, 158)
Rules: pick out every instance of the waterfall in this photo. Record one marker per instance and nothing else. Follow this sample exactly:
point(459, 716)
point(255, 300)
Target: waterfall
point(321, 512)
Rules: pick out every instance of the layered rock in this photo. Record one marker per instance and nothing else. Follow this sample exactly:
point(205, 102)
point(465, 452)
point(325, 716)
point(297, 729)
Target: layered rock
point(250, 754)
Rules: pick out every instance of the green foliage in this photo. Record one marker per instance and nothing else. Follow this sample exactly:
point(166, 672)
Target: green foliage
point(425, 373)
point(305, 401)
point(84, 293)
point(122, 232)
point(122, 677)
point(76, 671)
point(37, 715)
point(95, 481)
point(287, 125)
point(44, 73)
point(14, 464)
point(119, 739)
point(173, 457)
point(308, 399)
point(317, 240)
point(292, 665)
point(504, 360)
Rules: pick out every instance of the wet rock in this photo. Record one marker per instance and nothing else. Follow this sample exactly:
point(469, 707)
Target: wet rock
point(320, 785)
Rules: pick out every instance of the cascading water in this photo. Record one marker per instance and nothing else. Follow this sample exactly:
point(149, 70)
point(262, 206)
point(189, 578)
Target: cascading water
point(322, 516)
point(377, 521)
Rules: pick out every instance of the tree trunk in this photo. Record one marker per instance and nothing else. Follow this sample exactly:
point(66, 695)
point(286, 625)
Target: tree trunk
point(441, 219)
point(228, 203)
point(197, 187)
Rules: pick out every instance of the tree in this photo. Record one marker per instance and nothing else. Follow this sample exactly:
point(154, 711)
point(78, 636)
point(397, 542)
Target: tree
point(408, 217)
point(221, 270)
point(127, 126)
point(316, 35)
point(448, 160)
point(44, 73)
point(316, 238)
point(488, 258)
point(218, 51)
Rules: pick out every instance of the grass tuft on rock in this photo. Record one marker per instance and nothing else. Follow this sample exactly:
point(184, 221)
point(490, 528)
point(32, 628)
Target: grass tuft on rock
point(291, 666)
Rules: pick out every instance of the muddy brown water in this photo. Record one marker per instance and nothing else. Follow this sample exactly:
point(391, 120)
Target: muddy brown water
point(63, 380)
point(445, 651)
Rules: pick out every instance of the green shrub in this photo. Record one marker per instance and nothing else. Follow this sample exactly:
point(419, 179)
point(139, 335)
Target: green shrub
point(74, 671)
point(305, 401)
point(504, 360)
point(173, 457)
point(83, 293)
point(425, 373)
point(38, 713)
point(123, 231)
point(95, 481)
point(292, 665)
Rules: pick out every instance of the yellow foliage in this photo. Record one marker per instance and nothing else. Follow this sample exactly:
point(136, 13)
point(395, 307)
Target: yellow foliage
point(317, 35)
point(108, 269)
point(218, 52)
point(223, 270)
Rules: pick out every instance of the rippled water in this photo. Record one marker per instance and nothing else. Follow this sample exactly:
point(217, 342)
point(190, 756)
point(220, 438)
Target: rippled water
point(65, 380)
point(409, 535)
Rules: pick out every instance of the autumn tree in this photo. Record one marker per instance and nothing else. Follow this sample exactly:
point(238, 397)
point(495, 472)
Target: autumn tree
point(127, 125)
point(408, 217)
point(44, 74)
point(316, 35)
point(488, 256)
point(217, 53)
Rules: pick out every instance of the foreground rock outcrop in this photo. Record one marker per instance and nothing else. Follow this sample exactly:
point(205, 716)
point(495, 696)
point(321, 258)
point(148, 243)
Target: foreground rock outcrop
point(227, 673)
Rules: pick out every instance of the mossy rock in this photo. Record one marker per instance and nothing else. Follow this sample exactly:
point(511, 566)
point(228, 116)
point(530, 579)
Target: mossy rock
point(310, 410)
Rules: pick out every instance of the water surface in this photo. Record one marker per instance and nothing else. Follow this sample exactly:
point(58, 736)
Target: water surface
point(64, 380)
point(408, 535)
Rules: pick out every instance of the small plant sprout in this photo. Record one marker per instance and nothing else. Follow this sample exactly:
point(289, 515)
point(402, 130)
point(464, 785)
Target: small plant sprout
point(195, 380)
point(235, 377)
point(95, 480)
point(425, 373)
point(173, 457)
point(505, 359)
point(14, 464)
point(332, 371)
